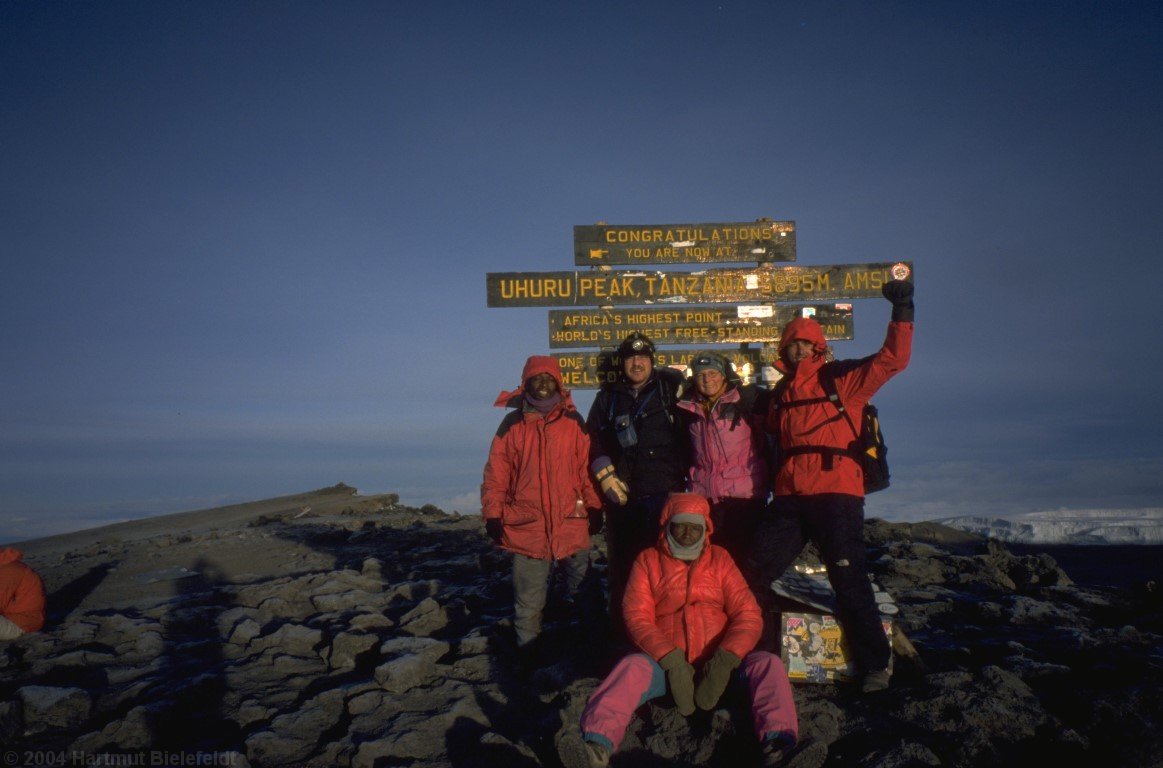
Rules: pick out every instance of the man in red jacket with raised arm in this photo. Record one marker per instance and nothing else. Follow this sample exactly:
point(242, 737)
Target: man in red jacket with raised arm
point(818, 492)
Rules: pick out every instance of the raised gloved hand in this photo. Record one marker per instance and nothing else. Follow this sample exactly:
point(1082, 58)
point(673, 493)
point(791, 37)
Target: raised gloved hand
point(680, 679)
point(595, 516)
point(713, 678)
point(612, 486)
point(494, 528)
point(900, 293)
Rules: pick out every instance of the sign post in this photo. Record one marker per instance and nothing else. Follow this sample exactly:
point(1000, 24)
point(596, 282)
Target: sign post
point(602, 288)
point(707, 307)
point(692, 323)
point(759, 241)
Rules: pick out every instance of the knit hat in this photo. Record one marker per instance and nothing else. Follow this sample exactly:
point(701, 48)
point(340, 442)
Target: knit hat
point(708, 360)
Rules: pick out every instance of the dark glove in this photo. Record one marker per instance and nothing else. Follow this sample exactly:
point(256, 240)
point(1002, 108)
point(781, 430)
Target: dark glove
point(613, 486)
point(680, 679)
point(595, 516)
point(900, 293)
point(713, 678)
point(494, 528)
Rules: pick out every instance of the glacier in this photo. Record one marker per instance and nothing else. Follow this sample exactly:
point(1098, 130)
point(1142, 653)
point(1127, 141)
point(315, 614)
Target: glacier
point(1068, 526)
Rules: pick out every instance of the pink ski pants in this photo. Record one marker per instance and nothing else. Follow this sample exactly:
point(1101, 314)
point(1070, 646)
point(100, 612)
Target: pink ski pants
point(637, 679)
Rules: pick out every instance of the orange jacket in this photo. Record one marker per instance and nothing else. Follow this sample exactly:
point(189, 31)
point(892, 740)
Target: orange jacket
point(699, 607)
point(820, 424)
point(21, 592)
point(537, 478)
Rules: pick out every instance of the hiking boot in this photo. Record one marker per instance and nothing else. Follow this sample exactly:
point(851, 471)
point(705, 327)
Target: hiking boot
point(875, 681)
point(598, 754)
point(772, 755)
point(575, 753)
point(805, 754)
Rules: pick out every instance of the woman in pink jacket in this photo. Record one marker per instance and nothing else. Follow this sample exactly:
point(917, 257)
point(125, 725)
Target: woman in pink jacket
point(537, 498)
point(689, 610)
point(728, 460)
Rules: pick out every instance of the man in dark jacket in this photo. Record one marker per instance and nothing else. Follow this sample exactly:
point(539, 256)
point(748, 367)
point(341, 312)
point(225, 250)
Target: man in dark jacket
point(639, 455)
point(819, 485)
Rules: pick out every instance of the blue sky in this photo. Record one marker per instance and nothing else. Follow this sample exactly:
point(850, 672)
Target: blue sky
point(245, 243)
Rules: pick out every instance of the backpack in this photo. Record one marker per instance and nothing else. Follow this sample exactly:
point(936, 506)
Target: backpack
point(868, 447)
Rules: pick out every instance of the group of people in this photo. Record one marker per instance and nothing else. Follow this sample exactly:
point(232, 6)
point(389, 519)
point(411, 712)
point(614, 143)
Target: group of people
point(677, 463)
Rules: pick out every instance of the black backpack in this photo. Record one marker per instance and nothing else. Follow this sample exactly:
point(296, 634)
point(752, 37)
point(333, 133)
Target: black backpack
point(868, 447)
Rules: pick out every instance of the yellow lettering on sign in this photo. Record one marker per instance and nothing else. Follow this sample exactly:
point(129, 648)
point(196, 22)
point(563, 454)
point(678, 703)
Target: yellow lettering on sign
point(535, 288)
point(869, 281)
point(702, 317)
point(634, 236)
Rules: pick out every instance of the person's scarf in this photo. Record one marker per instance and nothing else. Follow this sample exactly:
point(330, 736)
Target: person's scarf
point(693, 551)
point(542, 406)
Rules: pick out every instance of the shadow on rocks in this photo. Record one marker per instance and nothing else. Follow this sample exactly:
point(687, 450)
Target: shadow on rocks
point(191, 685)
point(66, 598)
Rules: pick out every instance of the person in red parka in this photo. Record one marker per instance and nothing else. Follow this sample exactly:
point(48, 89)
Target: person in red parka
point(694, 619)
point(537, 498)
point(818, 492)
point(21, 596)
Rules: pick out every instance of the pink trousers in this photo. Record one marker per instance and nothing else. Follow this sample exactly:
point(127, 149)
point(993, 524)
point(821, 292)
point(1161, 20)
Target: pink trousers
point(637, 679)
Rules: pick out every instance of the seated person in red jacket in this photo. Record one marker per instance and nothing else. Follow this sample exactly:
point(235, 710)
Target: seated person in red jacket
point(689, 610)
point(21, 596)
point(537, 498)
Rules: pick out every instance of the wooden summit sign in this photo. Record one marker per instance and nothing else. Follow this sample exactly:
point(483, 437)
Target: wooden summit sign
point(757, 241)
point(589, 370)
point(604, 288)
point(692, 324)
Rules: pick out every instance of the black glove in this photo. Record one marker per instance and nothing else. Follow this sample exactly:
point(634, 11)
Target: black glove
point(595, 516)
point(494, 528)
point(900, 293)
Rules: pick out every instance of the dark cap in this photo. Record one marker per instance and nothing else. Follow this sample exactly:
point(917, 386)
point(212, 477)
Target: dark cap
point(636, 343)
point(707, 360)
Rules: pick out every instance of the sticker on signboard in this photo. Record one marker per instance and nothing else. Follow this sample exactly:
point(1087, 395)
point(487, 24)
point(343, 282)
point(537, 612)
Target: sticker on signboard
point(752, 282)
point(808, 312)
point(900, 271)
point(756, 310)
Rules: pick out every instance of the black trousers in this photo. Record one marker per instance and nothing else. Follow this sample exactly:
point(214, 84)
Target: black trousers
point(735, 521)
point(629, 530)
point(835, 523)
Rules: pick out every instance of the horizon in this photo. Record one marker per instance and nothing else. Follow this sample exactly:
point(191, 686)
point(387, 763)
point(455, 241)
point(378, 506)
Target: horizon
point(76, 524)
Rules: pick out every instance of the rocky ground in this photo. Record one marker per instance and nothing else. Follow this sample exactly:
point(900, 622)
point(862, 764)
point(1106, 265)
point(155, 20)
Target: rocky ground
point(334, 629)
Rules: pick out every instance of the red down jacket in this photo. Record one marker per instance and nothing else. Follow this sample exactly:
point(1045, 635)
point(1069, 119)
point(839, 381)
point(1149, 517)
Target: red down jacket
point(820, 424)
point(537, 478)
point(699, 607)
point(21, 592)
